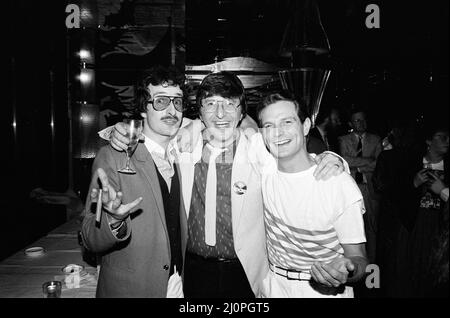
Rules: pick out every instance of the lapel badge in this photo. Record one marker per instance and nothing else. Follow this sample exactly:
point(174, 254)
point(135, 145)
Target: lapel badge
point(240, 187)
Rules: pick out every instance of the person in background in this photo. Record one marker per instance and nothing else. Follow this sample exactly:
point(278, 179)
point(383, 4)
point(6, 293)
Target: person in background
point(430, 180)
point(324, 135)
point(392, 182)
point(440, 259)
point(361, 149)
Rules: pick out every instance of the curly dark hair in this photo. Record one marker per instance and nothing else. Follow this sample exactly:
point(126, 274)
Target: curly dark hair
point(157, 76)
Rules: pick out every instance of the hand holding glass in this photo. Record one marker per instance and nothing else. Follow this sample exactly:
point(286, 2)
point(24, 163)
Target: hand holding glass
point(134, 133)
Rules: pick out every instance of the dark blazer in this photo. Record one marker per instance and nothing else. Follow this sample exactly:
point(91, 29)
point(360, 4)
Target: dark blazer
point(137, 265)
point(393, 181)
point(315, 144)
point(372, 147)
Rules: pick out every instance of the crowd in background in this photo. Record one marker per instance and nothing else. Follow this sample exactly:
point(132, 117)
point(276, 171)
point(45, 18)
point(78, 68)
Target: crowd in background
point(404, 180)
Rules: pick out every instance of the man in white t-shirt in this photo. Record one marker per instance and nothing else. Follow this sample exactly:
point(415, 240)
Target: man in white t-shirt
point(315, 230)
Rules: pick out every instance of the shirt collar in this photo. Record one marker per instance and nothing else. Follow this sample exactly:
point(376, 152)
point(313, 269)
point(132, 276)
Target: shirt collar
point(156, 149)
point(230, 147)
point(198, 152)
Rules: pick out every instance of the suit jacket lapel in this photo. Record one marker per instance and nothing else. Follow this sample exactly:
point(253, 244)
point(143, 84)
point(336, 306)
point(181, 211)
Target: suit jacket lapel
point(187, 167)
point(183, 215)
point(240, 174)
point(148, 169)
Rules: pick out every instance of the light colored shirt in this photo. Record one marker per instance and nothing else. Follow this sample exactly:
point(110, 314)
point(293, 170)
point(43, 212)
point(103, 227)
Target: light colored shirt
point(164, 159)
point(439, 166)
point(306, 220)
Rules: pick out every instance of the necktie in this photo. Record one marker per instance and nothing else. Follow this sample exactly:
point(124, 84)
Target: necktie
point(210, 196)
point(358, 175)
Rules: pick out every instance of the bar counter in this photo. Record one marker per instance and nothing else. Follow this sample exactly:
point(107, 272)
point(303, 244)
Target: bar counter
point(22, 276)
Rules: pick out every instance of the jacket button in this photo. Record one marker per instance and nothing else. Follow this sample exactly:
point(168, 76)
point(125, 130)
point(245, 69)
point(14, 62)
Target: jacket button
point(166, 267)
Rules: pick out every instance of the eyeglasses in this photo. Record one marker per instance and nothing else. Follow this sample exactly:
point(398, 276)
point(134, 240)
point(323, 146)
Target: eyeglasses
point(210, 105)
point(162, 102)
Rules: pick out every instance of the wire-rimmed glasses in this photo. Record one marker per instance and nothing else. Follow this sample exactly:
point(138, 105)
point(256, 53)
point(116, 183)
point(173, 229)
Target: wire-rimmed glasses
point(210, 105)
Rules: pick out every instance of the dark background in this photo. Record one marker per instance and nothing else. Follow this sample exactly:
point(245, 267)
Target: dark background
point(35, 41)
point(399, 70)
point(386, 70)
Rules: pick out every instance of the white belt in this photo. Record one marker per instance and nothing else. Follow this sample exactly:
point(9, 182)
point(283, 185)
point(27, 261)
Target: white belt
point(290, 274)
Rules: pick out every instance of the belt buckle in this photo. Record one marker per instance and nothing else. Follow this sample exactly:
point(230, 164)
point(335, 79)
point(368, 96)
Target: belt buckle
point(292, 278)
point(286, 273)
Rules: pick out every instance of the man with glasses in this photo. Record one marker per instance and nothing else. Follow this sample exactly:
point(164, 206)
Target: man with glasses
point(226, 254)
point(361, 149)
point(142, 243)
point(226, 249)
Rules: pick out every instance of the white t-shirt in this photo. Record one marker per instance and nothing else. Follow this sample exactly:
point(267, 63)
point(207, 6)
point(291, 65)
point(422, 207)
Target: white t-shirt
point(307, 220)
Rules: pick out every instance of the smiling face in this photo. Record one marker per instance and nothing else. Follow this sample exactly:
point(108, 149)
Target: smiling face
point(283, 132)
point(221, 121)
point(164, 124)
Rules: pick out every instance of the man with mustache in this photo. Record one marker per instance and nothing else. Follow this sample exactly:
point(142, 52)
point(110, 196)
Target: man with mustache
point(142, 243)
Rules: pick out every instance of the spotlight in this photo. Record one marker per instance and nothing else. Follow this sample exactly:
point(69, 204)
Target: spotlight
point(84, 54)
point(84, 78)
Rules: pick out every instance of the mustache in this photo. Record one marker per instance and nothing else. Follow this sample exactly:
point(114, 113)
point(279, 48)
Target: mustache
point(171, 117)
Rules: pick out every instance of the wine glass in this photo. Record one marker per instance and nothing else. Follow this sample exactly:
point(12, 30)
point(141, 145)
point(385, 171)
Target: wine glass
point(134, 133)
